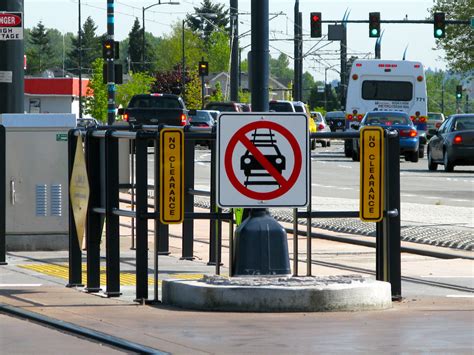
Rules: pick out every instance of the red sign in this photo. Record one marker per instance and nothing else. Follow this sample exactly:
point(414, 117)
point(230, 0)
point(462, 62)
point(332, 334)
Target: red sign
point(284, 184)
point(10, 20)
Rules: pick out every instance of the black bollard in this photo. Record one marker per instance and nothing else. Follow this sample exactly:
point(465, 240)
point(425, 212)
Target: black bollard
point(260, 246)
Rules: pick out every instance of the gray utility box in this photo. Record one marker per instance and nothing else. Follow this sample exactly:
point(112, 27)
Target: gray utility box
point(37, 180)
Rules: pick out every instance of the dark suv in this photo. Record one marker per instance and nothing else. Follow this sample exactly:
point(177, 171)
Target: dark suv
point(224, 106)
point(336, 120)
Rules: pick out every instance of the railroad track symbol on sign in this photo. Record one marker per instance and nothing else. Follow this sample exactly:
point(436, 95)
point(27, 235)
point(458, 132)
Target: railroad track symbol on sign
point(264, 162)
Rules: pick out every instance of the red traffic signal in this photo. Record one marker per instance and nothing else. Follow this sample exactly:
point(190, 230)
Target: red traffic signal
point(315, 24)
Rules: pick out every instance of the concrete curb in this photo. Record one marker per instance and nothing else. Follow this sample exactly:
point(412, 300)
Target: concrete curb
point(359, 294)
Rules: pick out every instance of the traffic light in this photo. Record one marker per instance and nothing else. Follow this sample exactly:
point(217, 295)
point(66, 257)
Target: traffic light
point(458, 92)
point(439, 25)
point(203, 68)
point(316, 24)
point(110, 49)
point(374, 24)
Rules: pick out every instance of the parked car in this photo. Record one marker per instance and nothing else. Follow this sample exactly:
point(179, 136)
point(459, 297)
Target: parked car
point(400, 121)
point(201, 118)
point(435, 120)
point(295, 106)
point(281, 106)
point(453, 143)
point(224, 106)
point(336, 120)
point(86, 122)
point(321, 126)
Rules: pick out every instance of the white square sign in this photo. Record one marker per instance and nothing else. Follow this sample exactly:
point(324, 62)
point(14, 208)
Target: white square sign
point(262, 160)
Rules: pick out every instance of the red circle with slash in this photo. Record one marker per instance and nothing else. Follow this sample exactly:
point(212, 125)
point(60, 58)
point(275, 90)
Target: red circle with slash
point(285, 184)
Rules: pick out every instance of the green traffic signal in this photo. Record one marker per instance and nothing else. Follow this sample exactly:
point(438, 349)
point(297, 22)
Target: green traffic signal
point(439, 33)
point(374, 32)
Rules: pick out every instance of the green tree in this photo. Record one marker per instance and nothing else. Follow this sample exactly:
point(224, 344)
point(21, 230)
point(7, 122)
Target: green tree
point(139, 83)
point(96, 105)
point(203, 23)
point(441, 92)
point(91, 48)
point(217, 95)
point(218, 53)
point(308, 84)
point(458, 43)
point(135, 50)
point(39, 54)
point(193, 96)
point(279, 68)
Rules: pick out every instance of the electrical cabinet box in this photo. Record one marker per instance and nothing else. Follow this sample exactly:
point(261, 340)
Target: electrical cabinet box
point(37, 180)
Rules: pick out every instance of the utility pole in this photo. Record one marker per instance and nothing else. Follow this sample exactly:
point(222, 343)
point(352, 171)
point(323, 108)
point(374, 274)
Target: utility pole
point(79, 42)
point(110, 65)
point(234, 64)
point(297, 61)
point(342, 93)
point(12, 85)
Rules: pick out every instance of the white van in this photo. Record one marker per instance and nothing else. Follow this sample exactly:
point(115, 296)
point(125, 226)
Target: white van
point(387, 85)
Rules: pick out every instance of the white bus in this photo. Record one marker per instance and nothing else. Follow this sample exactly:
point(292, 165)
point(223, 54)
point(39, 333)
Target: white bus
point(387, 85)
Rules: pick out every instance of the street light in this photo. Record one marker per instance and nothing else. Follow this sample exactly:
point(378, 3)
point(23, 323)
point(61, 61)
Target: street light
point(143, 24)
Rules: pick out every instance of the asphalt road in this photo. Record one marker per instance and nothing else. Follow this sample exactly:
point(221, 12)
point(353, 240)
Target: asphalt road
point(428, 198)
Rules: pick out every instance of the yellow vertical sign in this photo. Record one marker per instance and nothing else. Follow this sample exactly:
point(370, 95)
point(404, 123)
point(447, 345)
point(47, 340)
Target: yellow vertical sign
point(171, 175)
point(371, 174)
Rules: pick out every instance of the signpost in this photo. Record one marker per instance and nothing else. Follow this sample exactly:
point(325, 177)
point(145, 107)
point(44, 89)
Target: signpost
point(171, 175)
point(262, 160)
point(371, 174)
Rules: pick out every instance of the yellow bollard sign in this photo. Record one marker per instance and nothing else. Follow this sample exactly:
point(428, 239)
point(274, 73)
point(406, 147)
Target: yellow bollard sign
point(171, 175)
point(371, 174)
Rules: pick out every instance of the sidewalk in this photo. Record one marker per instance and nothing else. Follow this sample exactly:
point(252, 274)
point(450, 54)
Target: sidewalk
point(417, 324)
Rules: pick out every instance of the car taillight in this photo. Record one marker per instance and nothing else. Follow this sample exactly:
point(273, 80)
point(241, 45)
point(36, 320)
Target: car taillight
point(422, 119)
point(349, 117)
point(125, 117)
point(320, 126)
point(438, 124)
point(359, 117)
point(412, 118)
point(408, 133)
point(457, 140)
point(183, 119)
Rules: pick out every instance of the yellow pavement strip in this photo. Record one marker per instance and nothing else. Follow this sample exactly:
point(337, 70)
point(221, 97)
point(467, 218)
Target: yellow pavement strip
point(127, 278)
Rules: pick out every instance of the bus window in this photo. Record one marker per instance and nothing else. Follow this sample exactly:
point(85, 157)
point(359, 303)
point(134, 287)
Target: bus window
point(387, 90)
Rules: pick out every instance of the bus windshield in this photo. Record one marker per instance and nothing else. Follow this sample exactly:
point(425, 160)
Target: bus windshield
point(387, 90)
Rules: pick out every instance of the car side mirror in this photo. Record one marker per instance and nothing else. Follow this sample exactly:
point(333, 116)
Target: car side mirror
point(120, 111)
point(192, 112)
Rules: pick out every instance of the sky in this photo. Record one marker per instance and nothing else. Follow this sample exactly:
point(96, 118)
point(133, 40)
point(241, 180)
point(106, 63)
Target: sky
point(416, 39)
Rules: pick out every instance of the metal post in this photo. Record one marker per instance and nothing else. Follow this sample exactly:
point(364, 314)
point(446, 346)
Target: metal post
point(132, 190)
point(234, 64)
point(188, 223)
point(75, 254)
point(11, 64)
point(260, 55)
point(112, 230)
point(79, 40)
point(110, 65)
point(442, 96)
point(213, 223)
point(161, 230)
point(203, 91)
point(392, 222)
point(295, 242)
point(309, 249)
point(3, 241)
point(300, 56)
point(94, 219)
point(141, 251)
point(143, 38)
point(343, 84)
point(296, 52)
point(183, 66)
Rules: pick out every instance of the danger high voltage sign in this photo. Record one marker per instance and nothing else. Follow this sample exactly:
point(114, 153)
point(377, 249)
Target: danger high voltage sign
point(11, 26)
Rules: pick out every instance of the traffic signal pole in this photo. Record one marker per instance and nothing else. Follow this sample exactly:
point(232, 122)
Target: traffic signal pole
point(234, 64)
point(110, 65)
point(11, 66)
